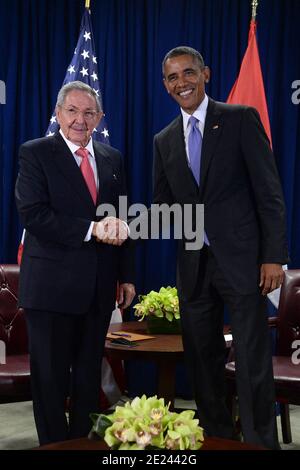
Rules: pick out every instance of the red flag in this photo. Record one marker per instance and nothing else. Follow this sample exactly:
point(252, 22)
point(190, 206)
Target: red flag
point(249, 86)
point(20, 249)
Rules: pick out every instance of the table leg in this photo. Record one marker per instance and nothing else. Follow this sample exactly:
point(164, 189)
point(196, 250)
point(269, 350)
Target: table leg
point(166, 381)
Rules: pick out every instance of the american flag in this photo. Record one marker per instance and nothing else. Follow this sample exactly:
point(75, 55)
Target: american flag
point(84, 67)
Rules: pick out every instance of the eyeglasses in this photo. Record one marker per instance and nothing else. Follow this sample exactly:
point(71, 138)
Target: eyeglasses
point(74, 113)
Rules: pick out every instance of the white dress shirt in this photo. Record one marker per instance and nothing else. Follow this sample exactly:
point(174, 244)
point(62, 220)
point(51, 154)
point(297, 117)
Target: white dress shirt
point(200, 114)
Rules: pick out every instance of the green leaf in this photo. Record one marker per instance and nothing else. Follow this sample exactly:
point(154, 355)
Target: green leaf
point(100, 424)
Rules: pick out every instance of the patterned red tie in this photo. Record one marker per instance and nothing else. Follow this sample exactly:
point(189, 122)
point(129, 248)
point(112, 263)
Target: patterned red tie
point(87, 172)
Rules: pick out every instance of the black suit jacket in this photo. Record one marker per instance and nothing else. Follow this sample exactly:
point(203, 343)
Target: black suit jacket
point(239, 186)
point(59, 271)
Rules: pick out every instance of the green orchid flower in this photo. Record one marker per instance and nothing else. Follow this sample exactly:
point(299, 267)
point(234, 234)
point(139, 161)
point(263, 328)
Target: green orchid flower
point(162, 304)
point(147, 423)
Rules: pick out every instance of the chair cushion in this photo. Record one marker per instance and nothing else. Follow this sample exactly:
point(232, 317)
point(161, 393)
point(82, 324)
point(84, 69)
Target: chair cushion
point(285, 370)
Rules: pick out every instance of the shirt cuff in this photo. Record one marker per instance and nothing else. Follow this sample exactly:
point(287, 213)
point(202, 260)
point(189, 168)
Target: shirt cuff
point(127, 227)
point(89, 233)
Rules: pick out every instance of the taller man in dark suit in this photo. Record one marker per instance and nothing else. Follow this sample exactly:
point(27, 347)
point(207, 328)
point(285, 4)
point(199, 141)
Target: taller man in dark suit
point(219, 155)
point(68, 278)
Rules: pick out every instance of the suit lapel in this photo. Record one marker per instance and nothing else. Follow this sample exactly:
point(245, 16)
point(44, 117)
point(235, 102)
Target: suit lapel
point(212, 132)
point(178, 152)
point(68, 166)
point(105, 170)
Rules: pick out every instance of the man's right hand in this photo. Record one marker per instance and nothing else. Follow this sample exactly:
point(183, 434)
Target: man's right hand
point(111, 230)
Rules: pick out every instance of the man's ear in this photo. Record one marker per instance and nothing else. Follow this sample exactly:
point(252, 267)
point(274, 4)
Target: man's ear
point(57, 113)
point(101, 114)
point(166, 85)
point(206, 74)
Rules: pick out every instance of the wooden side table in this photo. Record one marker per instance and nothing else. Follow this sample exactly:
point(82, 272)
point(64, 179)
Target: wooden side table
point(210, 443)
point(165, 350)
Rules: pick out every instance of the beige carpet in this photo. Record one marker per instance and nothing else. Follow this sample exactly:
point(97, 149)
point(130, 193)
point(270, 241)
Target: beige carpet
point(17, 428)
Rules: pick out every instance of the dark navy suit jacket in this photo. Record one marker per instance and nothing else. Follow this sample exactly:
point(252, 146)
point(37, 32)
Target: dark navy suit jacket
point(244, 213)
point(59, 271)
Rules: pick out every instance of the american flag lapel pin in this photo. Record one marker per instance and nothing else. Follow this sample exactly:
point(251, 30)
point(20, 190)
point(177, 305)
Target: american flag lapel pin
point(216, 126)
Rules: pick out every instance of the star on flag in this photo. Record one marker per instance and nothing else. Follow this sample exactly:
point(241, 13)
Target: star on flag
point(84, 67)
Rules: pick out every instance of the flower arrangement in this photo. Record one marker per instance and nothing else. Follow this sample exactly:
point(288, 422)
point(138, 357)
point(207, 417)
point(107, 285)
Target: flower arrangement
point(146, 423)
point(162, 304)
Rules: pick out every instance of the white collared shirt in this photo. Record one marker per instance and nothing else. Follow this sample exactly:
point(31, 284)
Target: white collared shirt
point(200, 114)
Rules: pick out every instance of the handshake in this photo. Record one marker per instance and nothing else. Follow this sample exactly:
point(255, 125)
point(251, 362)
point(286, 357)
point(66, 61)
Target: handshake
point(111, 230)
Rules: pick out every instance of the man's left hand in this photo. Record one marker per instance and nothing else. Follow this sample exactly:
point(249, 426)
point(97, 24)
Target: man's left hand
point(126, 295)
point(271, 277)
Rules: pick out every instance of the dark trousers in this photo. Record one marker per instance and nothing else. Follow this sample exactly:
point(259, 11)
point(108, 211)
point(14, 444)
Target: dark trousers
point(66, 354)
point(204, 345)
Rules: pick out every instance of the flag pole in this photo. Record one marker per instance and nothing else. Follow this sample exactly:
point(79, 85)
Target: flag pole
point(87, 3)
point(254, 4)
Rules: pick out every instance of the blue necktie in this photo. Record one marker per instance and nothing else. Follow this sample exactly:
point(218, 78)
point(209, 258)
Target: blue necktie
point(195, 147)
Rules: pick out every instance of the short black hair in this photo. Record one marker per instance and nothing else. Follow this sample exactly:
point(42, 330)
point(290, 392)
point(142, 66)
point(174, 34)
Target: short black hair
point(183, 50)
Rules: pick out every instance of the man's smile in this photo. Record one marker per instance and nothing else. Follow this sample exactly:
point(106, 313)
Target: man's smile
point(185, 93)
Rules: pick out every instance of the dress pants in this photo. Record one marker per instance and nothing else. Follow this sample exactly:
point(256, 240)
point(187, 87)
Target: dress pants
point(65, 354)
point(204, 346)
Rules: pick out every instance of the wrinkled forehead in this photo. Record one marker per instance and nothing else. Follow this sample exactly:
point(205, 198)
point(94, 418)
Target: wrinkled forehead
point(80, 99)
